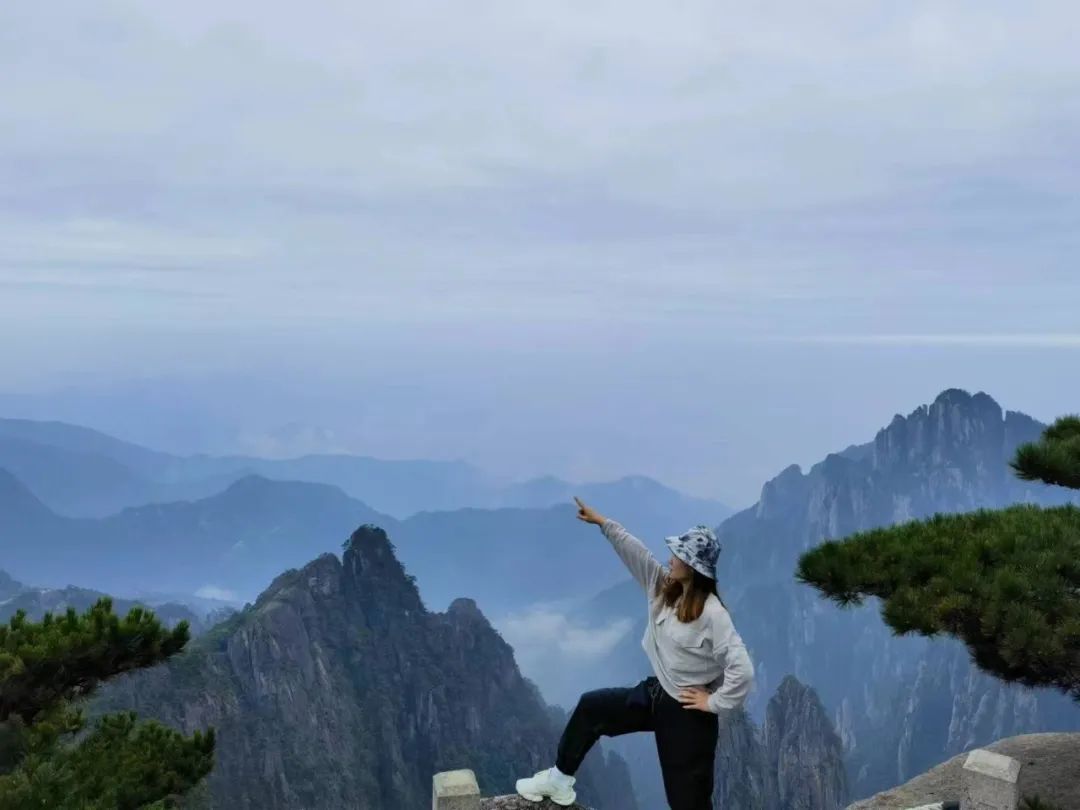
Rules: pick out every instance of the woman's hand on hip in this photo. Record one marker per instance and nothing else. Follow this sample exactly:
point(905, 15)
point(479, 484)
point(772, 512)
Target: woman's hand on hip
point(588, 514)
point(695, 697)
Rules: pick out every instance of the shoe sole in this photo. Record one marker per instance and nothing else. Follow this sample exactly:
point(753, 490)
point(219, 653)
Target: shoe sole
point(536, 797)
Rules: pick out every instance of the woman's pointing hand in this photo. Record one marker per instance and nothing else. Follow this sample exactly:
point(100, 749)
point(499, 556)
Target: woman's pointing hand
point(588, 514)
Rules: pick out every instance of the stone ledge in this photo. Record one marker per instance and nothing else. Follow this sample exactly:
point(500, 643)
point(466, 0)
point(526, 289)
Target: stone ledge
point(1049, 764)
point(518, 803)
point(457, 790)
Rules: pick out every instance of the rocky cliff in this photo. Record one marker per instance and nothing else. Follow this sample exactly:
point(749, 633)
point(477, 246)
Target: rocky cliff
point(803, 753)
point(1049, 770)
point(900, 704)
point(744, 779)
point(336, 688)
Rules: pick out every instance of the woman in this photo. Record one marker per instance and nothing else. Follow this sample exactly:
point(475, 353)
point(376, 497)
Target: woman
point(700, 663)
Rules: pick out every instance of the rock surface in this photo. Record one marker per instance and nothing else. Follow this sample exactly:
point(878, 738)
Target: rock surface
point(518, 803)
point(337, 688)
point(745, 779)
point(901, 704)
point(1049, 768)
point(804, 754)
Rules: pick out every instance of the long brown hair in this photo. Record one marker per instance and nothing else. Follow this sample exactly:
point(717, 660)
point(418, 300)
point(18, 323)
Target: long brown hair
point(670, 589)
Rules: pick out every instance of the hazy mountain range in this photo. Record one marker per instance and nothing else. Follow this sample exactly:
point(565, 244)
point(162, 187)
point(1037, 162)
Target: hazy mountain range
point(898, 705)
point(238, 540)
point(36, 601)
point(222, 527)
point(80, 472)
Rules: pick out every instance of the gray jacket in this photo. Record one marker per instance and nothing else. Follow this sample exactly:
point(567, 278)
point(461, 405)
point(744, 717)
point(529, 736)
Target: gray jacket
point(706, 652)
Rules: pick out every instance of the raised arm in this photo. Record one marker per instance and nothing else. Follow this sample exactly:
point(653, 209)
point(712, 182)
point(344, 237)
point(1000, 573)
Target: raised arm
point(642, 564)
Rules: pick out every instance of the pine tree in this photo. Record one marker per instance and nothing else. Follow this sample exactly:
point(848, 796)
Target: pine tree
point(49, 757)
point(1006, 582)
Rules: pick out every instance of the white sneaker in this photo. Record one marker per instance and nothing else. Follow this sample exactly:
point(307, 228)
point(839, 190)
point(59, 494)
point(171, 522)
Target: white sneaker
point(559, 788)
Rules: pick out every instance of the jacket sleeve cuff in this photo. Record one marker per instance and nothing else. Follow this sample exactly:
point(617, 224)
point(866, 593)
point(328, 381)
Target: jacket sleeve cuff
point(718, 703)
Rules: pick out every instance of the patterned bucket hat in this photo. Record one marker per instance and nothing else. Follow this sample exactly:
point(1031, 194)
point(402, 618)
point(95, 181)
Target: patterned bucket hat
point(698, 548)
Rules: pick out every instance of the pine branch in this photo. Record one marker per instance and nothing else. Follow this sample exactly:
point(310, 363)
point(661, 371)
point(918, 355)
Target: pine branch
point(1055, 458)
point(121, 765)
point(61, 659)
point(1005, 582)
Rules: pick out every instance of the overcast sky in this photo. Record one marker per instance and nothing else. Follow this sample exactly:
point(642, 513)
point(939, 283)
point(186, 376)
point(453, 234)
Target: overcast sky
point(693, 240)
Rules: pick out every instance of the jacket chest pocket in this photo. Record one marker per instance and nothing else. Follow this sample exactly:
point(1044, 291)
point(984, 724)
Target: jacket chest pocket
point(688, 638)
point(686, 635)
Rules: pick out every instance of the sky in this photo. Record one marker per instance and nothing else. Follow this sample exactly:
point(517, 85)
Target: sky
point(697, 240)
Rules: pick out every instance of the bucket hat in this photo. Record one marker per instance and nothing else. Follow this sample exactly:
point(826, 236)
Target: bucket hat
point(698, 548)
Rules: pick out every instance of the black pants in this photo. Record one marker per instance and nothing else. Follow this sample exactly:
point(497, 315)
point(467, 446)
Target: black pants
point(685, 738)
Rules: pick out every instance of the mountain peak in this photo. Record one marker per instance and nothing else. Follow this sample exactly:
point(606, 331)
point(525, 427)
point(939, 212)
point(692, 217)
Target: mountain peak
point(952, 396)
point(259, 488)
point(78, 439)
point(369, 541)
point(253, 483)
point(803, 746)
point(323, 572)
point(958, 429)
point(465, 608)
point(320, 574)
point(960, 398)
point(791, 687)
point(250, 481)
point(375, 576)
point(782, 489)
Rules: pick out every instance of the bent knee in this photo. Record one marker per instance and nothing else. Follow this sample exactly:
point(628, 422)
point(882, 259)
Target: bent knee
point(589, 700)
point(599, 701)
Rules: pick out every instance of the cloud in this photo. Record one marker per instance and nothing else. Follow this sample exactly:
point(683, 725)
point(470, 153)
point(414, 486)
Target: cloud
point(497, 202)
point(480, 159)
point(541, 633)
point(292, 440)
point(214, 592)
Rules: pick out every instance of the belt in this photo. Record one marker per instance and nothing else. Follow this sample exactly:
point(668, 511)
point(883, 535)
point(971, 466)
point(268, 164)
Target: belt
point(654, 690)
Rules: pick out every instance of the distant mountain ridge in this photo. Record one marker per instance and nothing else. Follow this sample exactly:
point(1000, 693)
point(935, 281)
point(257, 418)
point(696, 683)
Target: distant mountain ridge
point(81, 472)
point(239, 539)
point(236, 539)
point(35, 602)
